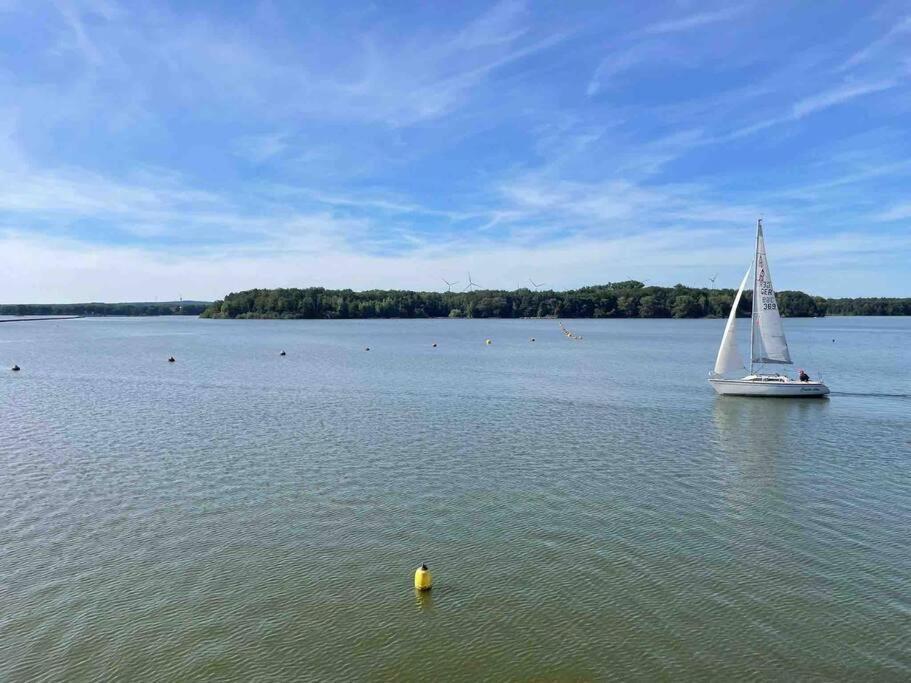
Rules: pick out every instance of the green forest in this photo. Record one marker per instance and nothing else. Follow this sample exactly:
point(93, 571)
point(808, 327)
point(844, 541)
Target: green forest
point(99, 309)
point(628, 299)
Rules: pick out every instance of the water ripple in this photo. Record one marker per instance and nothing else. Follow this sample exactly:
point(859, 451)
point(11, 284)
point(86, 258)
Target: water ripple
point(237, 516)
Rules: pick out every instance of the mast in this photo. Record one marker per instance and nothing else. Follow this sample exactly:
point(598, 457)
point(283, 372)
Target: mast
point(754, 311)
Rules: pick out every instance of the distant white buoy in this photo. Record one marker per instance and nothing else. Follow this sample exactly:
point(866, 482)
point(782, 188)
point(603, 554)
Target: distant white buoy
point(422, 579)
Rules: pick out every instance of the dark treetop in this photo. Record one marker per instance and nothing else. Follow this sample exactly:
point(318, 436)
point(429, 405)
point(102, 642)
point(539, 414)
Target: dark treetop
point(629, 299)
point(93, 309)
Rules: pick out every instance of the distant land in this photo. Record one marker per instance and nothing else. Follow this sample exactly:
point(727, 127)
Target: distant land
point(102, 309)
point(627, 299)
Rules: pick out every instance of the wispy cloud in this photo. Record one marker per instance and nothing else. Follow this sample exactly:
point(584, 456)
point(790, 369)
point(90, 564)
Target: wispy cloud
point(260, 148)
point(812, 104)
point(898, 212)
point(392, 79)
point(868, 52)
point(502, 24)
point(620, 207)
point(77, 193)
point(158, 206)
point(650, 45)
point(79, 36)
point(691, 21)
point(427, 81)
point(621, 61)
point(838, 95)
point(386, 202)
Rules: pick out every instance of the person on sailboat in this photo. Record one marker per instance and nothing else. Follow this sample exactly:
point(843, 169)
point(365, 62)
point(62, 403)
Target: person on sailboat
point(804, 377)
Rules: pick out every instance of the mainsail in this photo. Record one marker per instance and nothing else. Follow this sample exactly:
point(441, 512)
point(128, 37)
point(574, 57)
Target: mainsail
point(729, 359)
point(768, 342)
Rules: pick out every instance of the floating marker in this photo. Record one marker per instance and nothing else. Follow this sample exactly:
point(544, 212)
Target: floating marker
point(434, 344)
point(15, 368)
point(532, 339)
point(171, 359)
point(488, 341)
point(422, 579)
point(283, 354)
point(366, 348)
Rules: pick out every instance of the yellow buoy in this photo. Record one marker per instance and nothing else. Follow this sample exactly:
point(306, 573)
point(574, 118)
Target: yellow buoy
point(422, 580)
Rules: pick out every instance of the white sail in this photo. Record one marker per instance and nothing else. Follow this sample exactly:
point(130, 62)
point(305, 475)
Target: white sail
point(729, 359)
point(768, 342)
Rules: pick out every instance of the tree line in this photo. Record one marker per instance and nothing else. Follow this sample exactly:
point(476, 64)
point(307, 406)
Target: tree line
point(628, 299)
point(100, 309)
point(869, 306)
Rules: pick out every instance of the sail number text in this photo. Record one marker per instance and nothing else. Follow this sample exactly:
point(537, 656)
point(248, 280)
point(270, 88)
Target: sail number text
point(768, 298)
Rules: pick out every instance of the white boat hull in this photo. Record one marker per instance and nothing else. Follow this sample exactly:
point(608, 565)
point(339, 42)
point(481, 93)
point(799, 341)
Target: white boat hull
point(768, 386)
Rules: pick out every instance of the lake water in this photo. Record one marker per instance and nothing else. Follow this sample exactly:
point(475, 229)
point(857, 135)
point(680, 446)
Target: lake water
point(589, 510)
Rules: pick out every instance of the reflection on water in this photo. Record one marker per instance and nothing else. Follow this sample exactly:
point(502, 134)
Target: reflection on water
point(759, 429)
point(424, 600)
point(765, 443)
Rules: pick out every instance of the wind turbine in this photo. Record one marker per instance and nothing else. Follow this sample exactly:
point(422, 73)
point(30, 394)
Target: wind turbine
point(536, 285)
point(712, 279)
point(471, 284)
point(449, 284)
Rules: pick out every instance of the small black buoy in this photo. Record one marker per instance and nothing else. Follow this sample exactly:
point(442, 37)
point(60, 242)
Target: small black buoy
point(434, 344)
point(171, 359)
point(15, 368)
point(366, 348)
point(833, 341)
point(283, 354)
point(532, 339)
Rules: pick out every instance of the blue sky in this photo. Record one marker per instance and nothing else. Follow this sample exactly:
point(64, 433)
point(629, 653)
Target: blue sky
point(153, 150)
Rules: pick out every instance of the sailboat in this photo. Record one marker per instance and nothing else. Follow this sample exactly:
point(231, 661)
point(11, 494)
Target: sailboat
point(767, 342)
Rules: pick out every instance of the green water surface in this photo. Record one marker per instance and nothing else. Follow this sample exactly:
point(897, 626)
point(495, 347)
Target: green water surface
point(590, 510)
